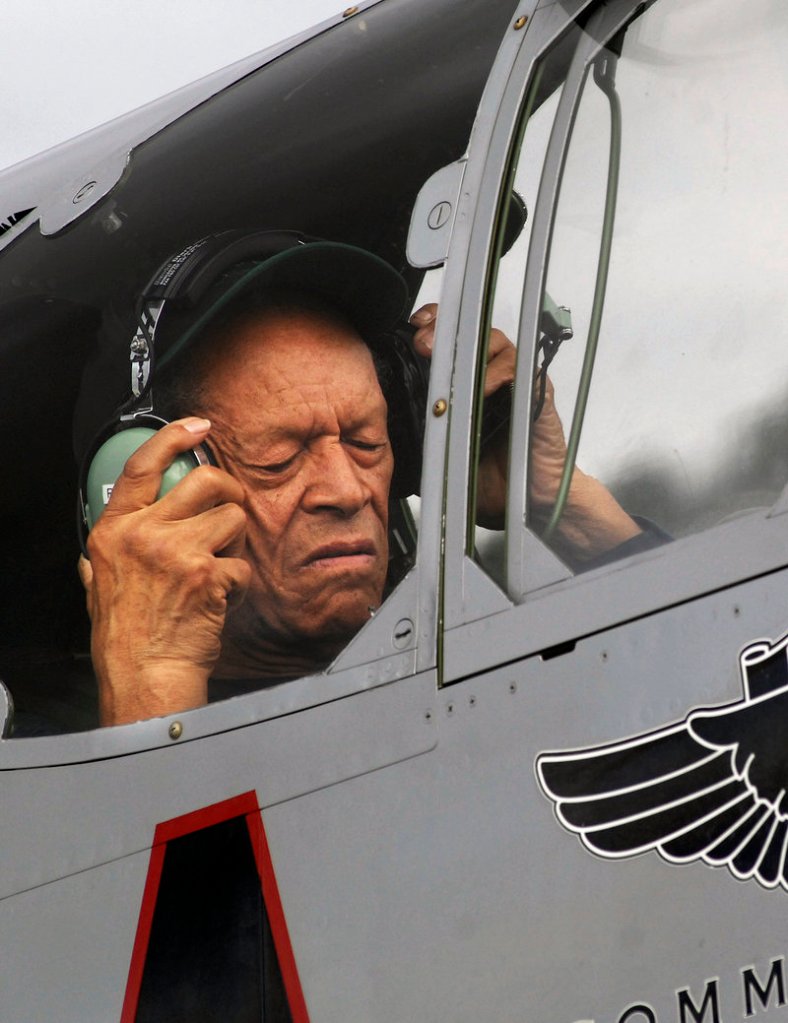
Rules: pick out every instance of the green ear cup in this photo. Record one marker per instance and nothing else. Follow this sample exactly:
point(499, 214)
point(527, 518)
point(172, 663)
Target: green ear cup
point(108, 463)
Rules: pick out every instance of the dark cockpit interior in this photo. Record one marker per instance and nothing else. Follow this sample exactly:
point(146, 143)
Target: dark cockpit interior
point(334, 139)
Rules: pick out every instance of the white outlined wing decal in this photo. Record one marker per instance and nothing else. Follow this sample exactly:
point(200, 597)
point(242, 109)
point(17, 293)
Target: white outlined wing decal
point(712, 787)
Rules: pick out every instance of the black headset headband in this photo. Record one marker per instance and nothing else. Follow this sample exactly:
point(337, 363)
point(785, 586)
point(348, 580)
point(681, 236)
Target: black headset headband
point(182, 282)
point(186, 277)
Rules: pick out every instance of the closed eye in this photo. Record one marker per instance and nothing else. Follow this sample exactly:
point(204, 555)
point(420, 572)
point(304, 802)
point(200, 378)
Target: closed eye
point(275, 467)
point(362, 445)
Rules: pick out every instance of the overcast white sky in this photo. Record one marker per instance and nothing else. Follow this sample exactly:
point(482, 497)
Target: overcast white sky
point(67, 67)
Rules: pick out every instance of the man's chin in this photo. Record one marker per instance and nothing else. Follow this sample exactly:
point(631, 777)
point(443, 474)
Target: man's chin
point(336, 628)
point(253, 647)
point(324, 626)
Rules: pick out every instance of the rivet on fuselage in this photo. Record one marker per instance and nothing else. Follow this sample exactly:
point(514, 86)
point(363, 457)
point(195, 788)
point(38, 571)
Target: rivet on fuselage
point(439, 407)
point(349, 11)
point(176, 730)
point(520, 23)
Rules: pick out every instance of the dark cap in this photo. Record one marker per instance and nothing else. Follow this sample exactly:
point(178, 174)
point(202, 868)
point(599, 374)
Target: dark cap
point(209, 275)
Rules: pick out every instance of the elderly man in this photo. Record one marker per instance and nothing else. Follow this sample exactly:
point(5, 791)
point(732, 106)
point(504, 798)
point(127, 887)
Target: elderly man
point(261, 567)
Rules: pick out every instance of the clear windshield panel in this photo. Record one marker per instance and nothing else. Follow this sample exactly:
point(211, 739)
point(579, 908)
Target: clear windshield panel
point(686, 411)
point(527, 173)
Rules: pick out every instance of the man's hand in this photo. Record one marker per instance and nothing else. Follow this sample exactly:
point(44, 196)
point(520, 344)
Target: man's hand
point(592, 522)
point(501, 353)
point(160, 577)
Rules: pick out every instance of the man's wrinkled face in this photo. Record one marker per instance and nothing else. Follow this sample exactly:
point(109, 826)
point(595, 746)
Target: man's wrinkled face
point(300, 420)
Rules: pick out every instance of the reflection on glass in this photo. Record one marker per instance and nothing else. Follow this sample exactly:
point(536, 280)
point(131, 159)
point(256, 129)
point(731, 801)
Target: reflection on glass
point(685, 420)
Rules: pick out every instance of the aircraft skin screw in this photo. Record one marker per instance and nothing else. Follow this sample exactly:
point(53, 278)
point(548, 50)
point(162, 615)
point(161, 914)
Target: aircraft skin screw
point(439, 407)
point(176, 730)
point(349, 11)
point(403, 631)
point(84, 192)
point(520, 23)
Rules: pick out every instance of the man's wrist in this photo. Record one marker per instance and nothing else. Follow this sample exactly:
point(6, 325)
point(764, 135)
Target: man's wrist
point(592, 521)
point(153, 690)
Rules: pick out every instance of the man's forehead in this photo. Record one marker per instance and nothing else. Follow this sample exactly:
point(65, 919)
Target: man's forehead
point(286, 337)
point(274, 395)
point(280, 359)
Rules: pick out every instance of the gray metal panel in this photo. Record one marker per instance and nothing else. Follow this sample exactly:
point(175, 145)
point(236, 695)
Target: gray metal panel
point(224, 716)
point(388, 644)
point(464, 899)
point(67, 946)
point(674, 574)
point(75, 817)
point(442, 887)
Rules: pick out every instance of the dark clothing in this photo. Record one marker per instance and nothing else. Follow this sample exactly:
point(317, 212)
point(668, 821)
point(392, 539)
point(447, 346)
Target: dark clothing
point(651, 537)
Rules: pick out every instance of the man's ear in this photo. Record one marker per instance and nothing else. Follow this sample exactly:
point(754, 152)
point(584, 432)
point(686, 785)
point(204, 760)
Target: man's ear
point(85, 570)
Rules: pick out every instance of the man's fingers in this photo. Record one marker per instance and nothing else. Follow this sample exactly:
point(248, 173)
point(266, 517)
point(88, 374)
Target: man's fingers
point(220, 530)
point(498, 344)
point(425, 315)
point(234, 576)
point(424, 322)
point(501, 353)
point(501, 356)
point(138, 484)
point(203, 488)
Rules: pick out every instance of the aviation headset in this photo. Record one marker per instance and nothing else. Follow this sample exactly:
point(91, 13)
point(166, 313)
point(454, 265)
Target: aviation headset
point(191, 287)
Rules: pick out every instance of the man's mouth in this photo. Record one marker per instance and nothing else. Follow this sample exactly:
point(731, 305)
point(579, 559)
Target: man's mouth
point(342, 553)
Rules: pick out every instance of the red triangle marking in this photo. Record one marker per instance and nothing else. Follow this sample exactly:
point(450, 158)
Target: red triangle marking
point(244, 805)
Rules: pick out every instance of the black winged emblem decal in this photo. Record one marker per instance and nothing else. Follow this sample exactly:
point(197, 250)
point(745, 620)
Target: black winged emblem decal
point(714, 787)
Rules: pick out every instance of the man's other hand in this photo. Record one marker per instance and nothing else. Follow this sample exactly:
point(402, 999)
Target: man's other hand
point(592, 521)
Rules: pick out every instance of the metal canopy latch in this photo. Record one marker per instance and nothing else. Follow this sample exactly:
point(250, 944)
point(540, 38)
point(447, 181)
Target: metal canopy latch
point(433, 217)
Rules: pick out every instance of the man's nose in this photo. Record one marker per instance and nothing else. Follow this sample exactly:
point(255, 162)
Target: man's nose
point(336, 481)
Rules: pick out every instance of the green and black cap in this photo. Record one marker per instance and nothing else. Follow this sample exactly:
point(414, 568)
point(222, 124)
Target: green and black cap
point(193, 287)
